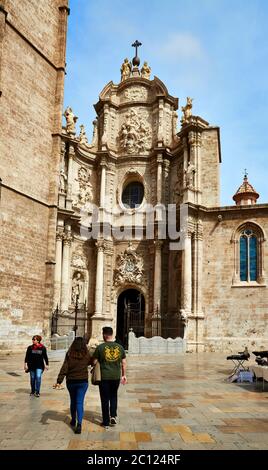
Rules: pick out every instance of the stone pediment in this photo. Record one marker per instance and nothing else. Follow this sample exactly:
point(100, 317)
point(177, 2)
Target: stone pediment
point(135, 89)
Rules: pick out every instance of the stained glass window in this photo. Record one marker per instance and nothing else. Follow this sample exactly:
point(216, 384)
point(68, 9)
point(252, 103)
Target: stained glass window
point(248, 256)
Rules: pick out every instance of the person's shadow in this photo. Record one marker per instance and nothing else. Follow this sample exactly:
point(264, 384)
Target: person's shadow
point(52, 415)
point(64, 416)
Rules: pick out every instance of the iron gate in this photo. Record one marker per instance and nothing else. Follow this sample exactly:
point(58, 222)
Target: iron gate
point(64, 321)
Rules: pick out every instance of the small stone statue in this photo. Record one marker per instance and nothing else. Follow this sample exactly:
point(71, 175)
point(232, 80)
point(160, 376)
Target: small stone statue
point(146, 71)
point(187, 110)
point(63, 181)
point(82, 136)
point(70, 120)
point(125, 70)
point(77, 288)
point(189, 175)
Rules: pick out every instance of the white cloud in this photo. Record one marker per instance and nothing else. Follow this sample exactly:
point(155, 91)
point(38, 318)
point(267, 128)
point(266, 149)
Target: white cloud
point(182, 45)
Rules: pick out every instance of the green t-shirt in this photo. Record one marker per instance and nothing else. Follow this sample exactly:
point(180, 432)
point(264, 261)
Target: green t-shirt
point(110, 355)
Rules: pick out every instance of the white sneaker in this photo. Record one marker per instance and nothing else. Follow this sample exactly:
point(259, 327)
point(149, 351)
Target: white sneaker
point(113, 421)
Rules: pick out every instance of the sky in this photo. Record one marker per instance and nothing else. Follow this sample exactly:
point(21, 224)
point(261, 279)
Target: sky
point(215, 51)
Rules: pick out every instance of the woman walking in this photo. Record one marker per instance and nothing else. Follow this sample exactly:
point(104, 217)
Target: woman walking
point(35, 362)
point(75, 369)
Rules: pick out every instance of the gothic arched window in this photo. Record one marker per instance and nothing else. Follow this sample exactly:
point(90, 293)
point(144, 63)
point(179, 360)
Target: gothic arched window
point(248, 256)
point(248, 260)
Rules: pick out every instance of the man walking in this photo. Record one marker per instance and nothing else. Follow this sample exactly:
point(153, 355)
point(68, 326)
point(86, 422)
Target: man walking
point(112, 359)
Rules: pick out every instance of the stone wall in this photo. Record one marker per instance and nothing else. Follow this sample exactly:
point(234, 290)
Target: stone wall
point(32, 56)
point(235, 317)
point(22, 268)
point(210, 170)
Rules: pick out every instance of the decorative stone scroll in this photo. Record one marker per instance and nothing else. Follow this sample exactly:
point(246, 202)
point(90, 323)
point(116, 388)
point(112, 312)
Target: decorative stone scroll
point(129, 268)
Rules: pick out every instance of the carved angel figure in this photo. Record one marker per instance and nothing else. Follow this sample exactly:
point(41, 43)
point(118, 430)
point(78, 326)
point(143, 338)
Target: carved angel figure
point(70, 120)
point(187, 110)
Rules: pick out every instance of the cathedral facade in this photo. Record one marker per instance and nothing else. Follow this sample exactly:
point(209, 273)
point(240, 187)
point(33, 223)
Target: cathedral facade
point(132, 233)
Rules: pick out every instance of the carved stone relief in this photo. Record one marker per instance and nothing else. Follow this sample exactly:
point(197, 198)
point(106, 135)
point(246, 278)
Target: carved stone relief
point(79, 259)
point(178, 187)
point(85, 193)
point(136, 94)
point(135, 135)
point(129, 268)
point(168, 133)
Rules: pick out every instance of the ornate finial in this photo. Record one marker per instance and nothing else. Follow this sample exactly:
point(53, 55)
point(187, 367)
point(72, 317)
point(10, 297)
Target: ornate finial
point(136, 60)
point(82, 136)
point(245, 194)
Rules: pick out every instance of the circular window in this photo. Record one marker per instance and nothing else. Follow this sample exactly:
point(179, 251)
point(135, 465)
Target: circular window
point(132, 196)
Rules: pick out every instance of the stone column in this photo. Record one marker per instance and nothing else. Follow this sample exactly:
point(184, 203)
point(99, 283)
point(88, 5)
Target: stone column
point(199, 315)
point(103, 183)
point(156, 318)
point(65, 270)
point(99, 279)
point(70, 176)
point(159, 179)
point(104, 139)
point(187, 279)
point(58, 268)
point(199, 269)
point(165, 197)
point(62, 194)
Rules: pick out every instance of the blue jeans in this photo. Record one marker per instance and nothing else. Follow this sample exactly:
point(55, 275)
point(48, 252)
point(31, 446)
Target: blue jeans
point(77, 393)
point(108, 395)
point(36, 376)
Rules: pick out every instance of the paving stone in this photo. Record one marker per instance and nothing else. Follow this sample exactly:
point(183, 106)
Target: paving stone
point(192, 408)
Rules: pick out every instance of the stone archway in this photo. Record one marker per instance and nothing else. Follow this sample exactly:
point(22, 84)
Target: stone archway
point(130, 314)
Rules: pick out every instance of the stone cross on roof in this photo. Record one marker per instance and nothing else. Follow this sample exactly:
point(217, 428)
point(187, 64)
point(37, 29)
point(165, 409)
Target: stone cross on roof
point(136, 60)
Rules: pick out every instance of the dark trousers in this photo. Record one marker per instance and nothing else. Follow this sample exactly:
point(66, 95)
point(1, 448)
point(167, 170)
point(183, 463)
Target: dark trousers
point(77, 393)
point(108, 396)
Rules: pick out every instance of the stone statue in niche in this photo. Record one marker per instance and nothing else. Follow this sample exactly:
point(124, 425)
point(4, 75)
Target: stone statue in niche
point(189, 173)
point(125, 70)
point(146, 71)
point(70, 120)
point(77, 288)
point(63, 181)
point(187, 111)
